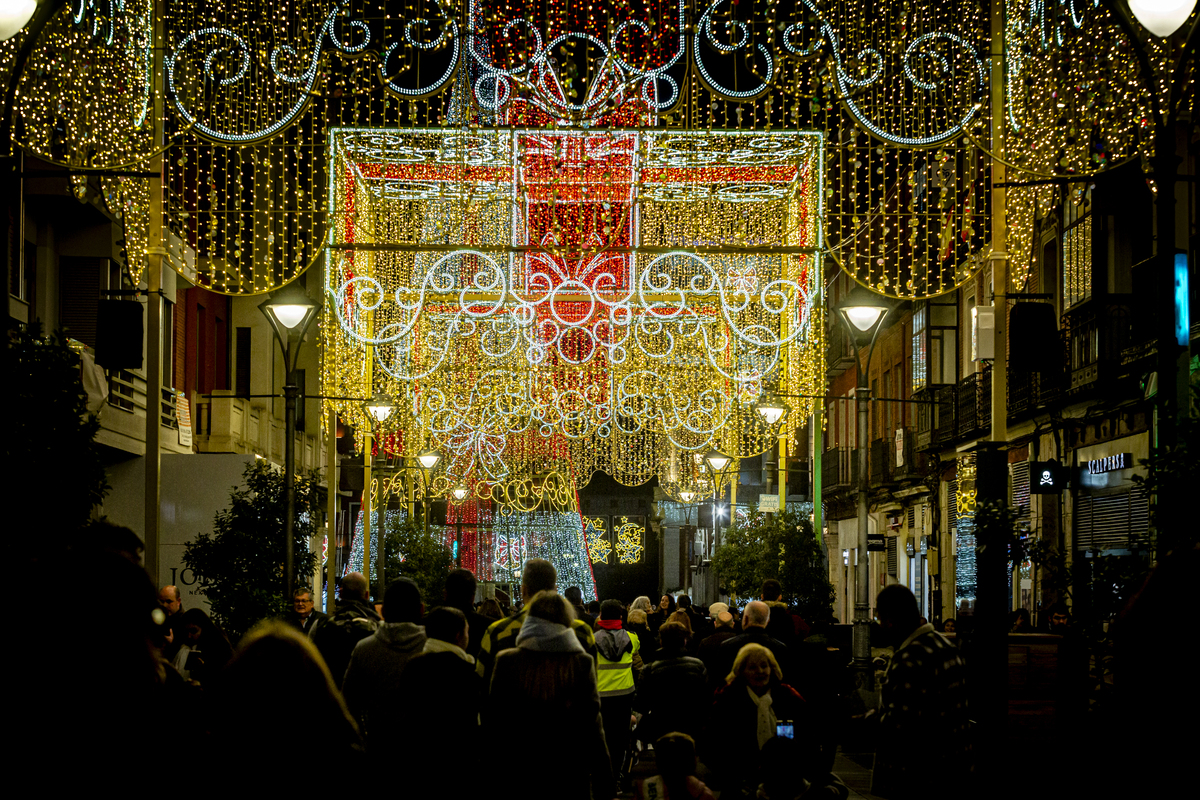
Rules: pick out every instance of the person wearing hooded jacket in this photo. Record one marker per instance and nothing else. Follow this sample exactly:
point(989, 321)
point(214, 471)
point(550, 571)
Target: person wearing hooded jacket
point(374, 684)
point(543, 694)
point(618, 662)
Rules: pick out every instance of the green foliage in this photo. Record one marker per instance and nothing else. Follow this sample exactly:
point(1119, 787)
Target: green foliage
point(240, 563)
point(52, 435)
point(421, 557)
point(783, 547)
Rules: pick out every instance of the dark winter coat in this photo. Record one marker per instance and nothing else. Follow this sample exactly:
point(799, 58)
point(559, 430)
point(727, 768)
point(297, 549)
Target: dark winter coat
point(674, 694)
point(734, 731)
point(754, 635)
point(337, 636)
point(375, 681)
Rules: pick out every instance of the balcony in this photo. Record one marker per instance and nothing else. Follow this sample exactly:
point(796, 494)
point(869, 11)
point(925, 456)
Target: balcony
point(228, 424)
point(912, 465)
point(1097, 330)
point(945, 415)
point(839, 355)
point(974, 404)
point(839, 470)
point(123, 415)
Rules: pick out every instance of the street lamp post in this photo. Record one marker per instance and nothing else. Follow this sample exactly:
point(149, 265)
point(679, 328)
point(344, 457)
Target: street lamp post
point(863, 313)
point(426, 461)
point(717, 462)
point(290, 311)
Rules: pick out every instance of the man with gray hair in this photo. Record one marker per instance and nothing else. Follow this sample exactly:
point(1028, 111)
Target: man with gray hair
point(754, 631)
point(710, 649)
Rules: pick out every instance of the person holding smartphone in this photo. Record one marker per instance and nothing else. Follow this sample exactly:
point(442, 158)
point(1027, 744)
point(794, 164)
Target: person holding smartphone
point(754, 707)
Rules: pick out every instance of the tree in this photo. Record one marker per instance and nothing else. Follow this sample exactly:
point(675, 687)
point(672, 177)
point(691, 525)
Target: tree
point(782, 547)
point(421, 557)
point(240, 562)
point(52, 435)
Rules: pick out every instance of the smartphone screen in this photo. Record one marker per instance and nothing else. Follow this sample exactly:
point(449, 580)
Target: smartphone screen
point(785, 729)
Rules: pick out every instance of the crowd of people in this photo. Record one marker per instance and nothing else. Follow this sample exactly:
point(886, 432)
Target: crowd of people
point(735, 702)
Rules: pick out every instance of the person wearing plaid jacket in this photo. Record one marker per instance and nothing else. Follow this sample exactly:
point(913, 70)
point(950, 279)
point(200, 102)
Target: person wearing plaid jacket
point(923, 747)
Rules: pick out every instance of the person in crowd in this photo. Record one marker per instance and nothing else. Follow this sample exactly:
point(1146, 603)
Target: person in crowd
point(539, 575)
point(353, 621)
point(674, 689)
point(755, 619)
point(675, 757)
point(204, 648)
point(789, 772)
point(276, 688)
point(1058, 619)
point(923, 699)
point(171, 603)
point(304, 615)
point(635, 623)
point(575, 597)
point(593, 608)
point(618, 662)
point(544, 693)
point(709, 651)
point(784, 625)
point(108, 537)
point(1019, 621)
point(699, 623)
point(443, 700)
point(747, 713)
point(642, 603)
point(460, 594)
point(685, 619)
point(949, 626)
point(491, 610)
point(374, 682)
point(665, 608)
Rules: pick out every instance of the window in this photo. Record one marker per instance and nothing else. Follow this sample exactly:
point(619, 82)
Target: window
point(1077, 251)
point(241, 360)
point(935, 343)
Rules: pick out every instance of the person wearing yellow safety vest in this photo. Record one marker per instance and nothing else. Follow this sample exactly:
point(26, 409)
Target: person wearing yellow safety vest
point(616, 662)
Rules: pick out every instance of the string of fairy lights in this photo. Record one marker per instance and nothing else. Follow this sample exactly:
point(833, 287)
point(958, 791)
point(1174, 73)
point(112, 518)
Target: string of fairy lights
point(564, 236)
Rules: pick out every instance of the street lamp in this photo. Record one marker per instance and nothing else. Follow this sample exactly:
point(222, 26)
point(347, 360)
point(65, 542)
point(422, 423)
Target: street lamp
point(13, 16)
point(863, 313)
point(1162, 17)
point(460, 493)
point(771, 408)
point(427, 460)
point(717, 462)
point(290, 311)
point(380, 406)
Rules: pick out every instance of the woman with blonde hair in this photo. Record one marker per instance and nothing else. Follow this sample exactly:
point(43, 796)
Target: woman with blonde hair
point(754, 707)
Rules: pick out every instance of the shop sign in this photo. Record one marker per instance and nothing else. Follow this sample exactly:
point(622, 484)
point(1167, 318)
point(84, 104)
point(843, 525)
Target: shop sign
point(1046, 477)
point(875, 543)
point(1098, 466)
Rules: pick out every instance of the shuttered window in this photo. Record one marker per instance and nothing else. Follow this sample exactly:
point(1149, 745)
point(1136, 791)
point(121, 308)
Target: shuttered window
point(1118, 521)
point(891, 555)
point(1020, 489)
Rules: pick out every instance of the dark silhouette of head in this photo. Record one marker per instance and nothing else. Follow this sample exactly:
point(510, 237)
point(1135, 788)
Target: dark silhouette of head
point(574, 595)
point(539, 576)
point(354, 587)
point(673, 635)
point(612, 609)
point(460, 588)
point(446, 624)
point(684, 602)
point(675, 756)
point(402, 602)
point(898, 613)
point(552, 607)
point(771, 590)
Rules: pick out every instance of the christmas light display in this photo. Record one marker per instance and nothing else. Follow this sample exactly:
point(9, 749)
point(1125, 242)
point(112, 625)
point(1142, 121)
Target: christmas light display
point(598, 545)
point(631, 537)
point(964, 530)
point(591, 299)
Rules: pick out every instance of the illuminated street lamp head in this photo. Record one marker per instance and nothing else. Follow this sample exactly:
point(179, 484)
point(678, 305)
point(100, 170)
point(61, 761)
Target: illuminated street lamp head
point(1162, 17)
point(716, 461)
point(380, 406)
point(290, 311)
point(13, 16)
point(687, 495)
point(862, 312)
point(460, 493)
point(428, 459)
point(771, 408)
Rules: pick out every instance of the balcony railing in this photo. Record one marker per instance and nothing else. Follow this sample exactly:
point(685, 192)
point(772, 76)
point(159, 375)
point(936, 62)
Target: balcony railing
point(883, 461)
point(974, 403)
point(1098, 331)
point(839, 469)
point(228, 424)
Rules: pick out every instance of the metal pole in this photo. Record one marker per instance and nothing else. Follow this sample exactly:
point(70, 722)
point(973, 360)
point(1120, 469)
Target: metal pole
point(818, 446)
point(864, 673)
point(331, 478)
point(290, 391)
point(366, 506)
point(381, 536)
